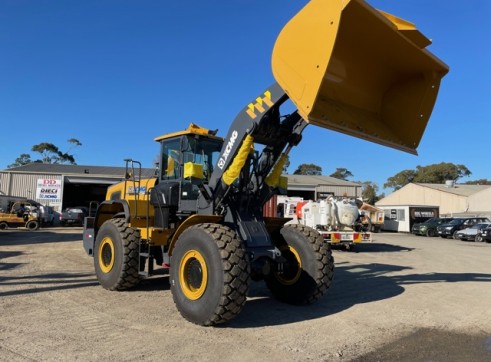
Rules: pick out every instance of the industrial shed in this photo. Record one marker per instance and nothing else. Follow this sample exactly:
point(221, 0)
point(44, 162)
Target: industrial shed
point(317, 187)
point(452, 199)
point(61, 186)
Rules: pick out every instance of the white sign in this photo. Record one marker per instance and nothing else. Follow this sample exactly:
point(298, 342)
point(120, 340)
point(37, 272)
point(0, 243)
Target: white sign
point(48, 189)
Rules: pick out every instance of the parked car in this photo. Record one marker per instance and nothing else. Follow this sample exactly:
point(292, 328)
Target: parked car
point(428, 228)
point(73, 216)
point(473, 233)
point(486, 234)
point(47, 215)
point(451, 228)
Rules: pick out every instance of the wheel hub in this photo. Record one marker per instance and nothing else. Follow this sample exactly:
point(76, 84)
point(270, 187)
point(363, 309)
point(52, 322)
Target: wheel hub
point(106, 255)
point(193, 275)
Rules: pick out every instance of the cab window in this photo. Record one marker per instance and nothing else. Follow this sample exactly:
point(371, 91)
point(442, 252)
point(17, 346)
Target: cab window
point(170, 162)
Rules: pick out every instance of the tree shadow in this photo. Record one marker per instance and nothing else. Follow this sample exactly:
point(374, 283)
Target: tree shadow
point(46, 282)
point(9, 254)
point(26, 237)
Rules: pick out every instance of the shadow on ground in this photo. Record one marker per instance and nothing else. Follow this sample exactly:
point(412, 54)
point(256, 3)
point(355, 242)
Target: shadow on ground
point(29, 284)
point(372, 248)
point(41, 236)
point(433, 345)
point(352, 285)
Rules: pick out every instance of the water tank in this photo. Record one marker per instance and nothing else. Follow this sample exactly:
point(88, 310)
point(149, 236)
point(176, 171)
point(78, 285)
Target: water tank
point(450, 183)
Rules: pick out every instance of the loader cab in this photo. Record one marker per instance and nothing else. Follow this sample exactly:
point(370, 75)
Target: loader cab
point(187, 160)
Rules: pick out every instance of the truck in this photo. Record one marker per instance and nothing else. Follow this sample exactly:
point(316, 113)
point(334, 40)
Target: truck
point(344, 66)
point(337, 220)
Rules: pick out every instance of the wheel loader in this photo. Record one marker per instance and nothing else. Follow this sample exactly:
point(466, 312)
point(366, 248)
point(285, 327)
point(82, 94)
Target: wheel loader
point(345, 66)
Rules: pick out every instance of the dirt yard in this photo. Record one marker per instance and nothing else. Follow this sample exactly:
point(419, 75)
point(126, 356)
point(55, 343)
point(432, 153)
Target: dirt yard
point(400, 298)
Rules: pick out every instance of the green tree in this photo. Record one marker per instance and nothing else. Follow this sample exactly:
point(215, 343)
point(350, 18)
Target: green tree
point(400, 179)
point(308, 169)
point(436, 173)
point(23, 159)
point(369, 191)
point(482, 181)
point(342, 174)
point(49, 154)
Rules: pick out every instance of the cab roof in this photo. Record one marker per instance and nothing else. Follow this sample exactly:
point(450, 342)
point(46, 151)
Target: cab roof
point(193, 129)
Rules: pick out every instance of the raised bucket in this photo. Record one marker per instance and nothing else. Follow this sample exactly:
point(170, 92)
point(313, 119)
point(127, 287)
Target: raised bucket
point(353, 69)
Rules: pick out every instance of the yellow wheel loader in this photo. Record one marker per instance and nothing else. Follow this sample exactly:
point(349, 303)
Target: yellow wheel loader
point(345, 66)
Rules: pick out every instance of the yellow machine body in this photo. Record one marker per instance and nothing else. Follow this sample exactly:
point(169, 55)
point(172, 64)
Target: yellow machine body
point(353, 69)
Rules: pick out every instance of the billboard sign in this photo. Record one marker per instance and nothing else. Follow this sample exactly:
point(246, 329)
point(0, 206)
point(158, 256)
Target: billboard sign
point(48, 189)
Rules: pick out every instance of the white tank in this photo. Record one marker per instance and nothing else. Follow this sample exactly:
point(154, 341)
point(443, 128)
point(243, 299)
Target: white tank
point(347, 213)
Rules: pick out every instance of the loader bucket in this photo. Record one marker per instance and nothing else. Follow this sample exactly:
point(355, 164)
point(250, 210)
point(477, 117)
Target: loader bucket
point(353, 69)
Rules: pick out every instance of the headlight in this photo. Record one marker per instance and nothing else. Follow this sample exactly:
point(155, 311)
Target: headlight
point(448, 228)
point(423, 227)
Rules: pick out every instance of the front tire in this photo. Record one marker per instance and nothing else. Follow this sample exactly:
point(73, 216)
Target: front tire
point(4, 225)
point(116, 255)
point(307, 274)
point(430, 233)
point(209, 274)
point(479, 238)
point(32, 225)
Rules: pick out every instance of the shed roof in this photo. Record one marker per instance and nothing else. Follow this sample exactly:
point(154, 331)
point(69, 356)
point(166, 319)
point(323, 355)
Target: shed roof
point(318, 180)
point(457, 189)
point(76, 170)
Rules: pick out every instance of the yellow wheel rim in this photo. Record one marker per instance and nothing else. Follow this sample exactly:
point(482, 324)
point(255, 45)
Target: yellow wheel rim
point(293, 270)
point(106, 255)
point(193, 275)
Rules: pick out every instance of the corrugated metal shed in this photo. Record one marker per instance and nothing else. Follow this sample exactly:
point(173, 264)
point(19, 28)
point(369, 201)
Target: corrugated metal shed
point(22, 181)
point(323, 184)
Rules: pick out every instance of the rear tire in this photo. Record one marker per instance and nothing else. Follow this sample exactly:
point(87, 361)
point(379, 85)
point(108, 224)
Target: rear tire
point(116, 255)
point(308, 271)
point(209, 274)
point(4, 225)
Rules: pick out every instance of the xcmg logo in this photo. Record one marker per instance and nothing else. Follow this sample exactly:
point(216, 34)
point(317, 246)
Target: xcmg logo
point(228, 148)
point(137, 190)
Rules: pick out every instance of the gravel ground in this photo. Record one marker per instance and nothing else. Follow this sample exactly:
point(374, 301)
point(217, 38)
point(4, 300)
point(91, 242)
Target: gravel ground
point(400, 298)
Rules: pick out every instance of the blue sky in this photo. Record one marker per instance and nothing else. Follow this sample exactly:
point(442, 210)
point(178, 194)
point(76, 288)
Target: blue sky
point(116, 74)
